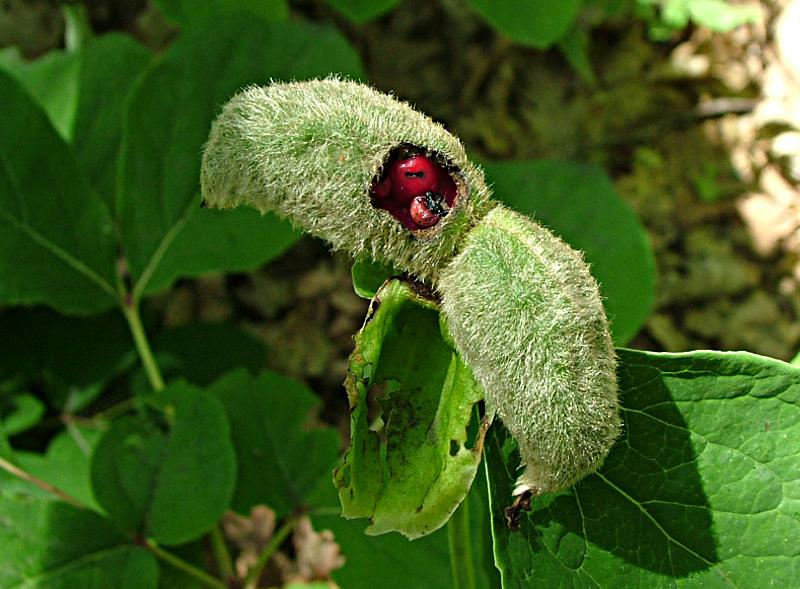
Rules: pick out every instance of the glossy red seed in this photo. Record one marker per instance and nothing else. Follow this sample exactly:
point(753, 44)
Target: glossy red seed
point(413, 176)
point(421, 214)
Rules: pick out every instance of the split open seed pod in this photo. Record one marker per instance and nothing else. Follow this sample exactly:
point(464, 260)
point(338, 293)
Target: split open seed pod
point(318, 153)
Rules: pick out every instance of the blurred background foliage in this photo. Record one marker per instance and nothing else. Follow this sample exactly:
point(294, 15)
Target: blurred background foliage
point(660, 136)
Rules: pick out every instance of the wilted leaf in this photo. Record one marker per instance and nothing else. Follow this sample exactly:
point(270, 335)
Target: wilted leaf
point(412, 400)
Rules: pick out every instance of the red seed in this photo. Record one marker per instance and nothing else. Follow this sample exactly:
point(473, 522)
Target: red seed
point(421, 214)
point(413, 176)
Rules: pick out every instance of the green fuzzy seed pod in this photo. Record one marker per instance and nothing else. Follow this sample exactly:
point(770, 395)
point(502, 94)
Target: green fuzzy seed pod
point(310, 151)
point(526, 316)
point(522, 307)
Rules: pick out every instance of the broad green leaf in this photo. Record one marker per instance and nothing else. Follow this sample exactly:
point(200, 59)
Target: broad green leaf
point(579, 203)
point(702, 491)
point(168, 475)
point(52, 81)
point(167, 124)
point(216, 241)
point(189, 12)
point(20, 413)
point(110, 66)
point(360, 11)
point(83, 93)
point(202, 352)
point(69, 359)
point(65, 465)
point(412, 402)
point(368, 276)
point(52, 545)
point(57, 245)
point(281, 461)
point(538, 23)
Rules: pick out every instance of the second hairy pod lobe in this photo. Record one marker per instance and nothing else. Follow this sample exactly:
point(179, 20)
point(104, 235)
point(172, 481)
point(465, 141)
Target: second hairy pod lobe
point(527, 318)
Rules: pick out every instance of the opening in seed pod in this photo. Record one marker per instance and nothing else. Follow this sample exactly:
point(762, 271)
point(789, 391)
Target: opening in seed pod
point(415, 186)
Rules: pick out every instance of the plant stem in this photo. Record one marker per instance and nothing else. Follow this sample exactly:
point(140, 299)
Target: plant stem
point(184, 566)
point(461, 559)
point(221, 553)
point(251, 582)
point(131, 312)
point(28, 477)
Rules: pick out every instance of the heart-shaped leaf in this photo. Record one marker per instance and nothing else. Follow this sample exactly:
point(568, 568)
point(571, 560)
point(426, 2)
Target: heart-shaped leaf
point(168, 475)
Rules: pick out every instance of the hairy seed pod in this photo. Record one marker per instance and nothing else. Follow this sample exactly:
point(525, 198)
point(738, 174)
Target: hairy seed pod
point(311, 151)
point(527, 318)
point(372, 176)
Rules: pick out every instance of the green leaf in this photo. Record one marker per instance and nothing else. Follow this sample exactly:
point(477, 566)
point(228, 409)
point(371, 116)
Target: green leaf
point(281, 462)
point(202, 352)
point(412, 402)
point(69, 358)
point(65, 465)
point(20, 413)
point(58, 244)
point(52, 81)
point(167, 124)
point(701, 492)
point(83, 93)
point(214, 240)
point(52, 545)
point(5, 448)
point(579, 203)
point(111, 64)
point(169, 475)
point(538, 23)
point(188, 12)
point(361, 11)
point(368, 276)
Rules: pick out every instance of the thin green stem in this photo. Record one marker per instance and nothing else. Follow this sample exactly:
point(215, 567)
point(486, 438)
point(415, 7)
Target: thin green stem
point(221, 553)
point(461, 559)
point(254, 574)
point(184, 566)
point(26, 476)
point(131, 311)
